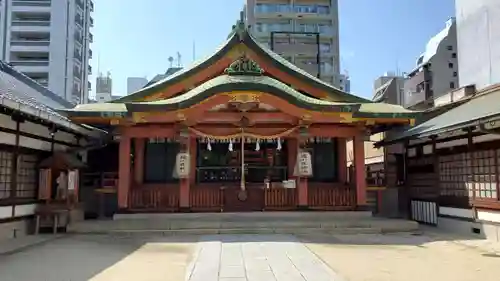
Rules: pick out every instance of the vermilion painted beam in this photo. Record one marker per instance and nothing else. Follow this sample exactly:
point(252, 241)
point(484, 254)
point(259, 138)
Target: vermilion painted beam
point(360, 172)
point(124, 172)
point(168, 130)
point(139, 160)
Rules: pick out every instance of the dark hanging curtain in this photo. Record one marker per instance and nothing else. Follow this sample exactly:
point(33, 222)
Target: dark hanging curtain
point(324, 162)
point(159, 162)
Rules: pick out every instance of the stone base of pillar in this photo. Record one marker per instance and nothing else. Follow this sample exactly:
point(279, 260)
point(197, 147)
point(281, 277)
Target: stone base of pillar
point(185, 209)
point(303, 208)
point(363, 208)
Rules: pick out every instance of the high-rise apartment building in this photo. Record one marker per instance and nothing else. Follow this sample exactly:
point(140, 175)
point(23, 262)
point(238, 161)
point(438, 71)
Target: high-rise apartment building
point(104, 88)
point(305, 32)
point(478, 32)
point(49, 41)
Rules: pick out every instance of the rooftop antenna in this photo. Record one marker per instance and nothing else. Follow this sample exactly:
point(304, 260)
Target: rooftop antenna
point(179, 59)
point(171, 61)
point(194, 50)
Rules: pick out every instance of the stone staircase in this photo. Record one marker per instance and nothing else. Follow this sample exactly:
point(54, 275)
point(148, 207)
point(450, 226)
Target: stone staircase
point(245, 223)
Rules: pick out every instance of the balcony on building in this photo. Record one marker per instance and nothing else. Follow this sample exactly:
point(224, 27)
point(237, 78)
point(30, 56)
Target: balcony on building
point(79, 20)
point(77, 54)
point(91, 6)
point(89, 68)
point(305, 10)
point(91, 38)
point(418, 89)
point(80, 3)
point(30, 22)
point(30, 62)
point(263, 30)
point(295, 47)
point(31, 6)
point(90, 54)
point(273, 10)
point(78, 37)
point(30, 42)
point(310, 66)
point(77, 72)
point(40, 78)
point(89, 85)
point(91, 21)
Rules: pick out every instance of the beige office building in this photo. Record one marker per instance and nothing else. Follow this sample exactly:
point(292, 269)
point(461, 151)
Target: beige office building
point(299, 30)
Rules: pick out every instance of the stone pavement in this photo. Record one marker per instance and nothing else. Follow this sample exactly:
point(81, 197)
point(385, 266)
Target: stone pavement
point(14, 245)
point(256, 258)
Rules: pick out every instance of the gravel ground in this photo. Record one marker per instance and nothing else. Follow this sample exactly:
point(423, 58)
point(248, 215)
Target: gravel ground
point(404, 257)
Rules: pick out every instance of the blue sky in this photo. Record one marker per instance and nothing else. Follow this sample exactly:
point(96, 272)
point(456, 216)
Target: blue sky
point(375, 35)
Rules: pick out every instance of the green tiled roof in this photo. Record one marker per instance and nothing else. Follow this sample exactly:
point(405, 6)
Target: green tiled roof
point(481, 109)
point(228, 83)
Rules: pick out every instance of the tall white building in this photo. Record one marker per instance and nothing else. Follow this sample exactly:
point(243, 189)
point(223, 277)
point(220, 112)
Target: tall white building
point(436, 70)
point(49, 41)
point(305, 32)
point(478, 31)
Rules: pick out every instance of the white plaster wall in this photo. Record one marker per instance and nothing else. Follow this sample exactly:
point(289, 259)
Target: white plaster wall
point(34, 143)
point(5, 212)
point(7, 122)
point(35, 129)
point(456, 212)
point(489, 216)
point(6, 138)
point(24, 210)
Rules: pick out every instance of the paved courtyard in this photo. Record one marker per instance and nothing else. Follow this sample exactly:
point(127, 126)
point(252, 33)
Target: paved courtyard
point(255, 257)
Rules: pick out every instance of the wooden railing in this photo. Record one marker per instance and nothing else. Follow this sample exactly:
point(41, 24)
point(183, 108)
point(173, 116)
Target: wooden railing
point(328, 197)
point(154, 198)
point(280, 199)
point(206, 199)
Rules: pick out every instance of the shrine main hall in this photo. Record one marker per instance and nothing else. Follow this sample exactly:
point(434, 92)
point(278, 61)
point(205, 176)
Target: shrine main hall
point(243, 130)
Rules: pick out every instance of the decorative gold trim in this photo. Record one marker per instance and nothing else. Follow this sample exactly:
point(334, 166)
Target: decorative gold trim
point(244, 97)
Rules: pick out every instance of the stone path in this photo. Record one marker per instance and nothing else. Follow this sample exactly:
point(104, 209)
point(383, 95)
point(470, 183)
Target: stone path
point(256, 258)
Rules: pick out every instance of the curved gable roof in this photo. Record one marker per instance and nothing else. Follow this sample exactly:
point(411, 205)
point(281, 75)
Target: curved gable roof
point(241, 34)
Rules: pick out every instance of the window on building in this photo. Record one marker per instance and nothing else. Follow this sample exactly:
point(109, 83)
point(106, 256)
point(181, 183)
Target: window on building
point(454, 55)
point(450, 48)
point(159, 161)
point(455, 74)
point(27, 176)
point(5, 171)
point(452, 85)
point(325, 47)
point(323, 9)
point(450, 65)
point(484, 174)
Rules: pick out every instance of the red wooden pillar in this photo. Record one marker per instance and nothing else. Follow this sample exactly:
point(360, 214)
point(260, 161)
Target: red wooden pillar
point(124, 172)
point(342, 159)
point(359, 168)
point(193, 152)
point(139, 160)
point(185, 183)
